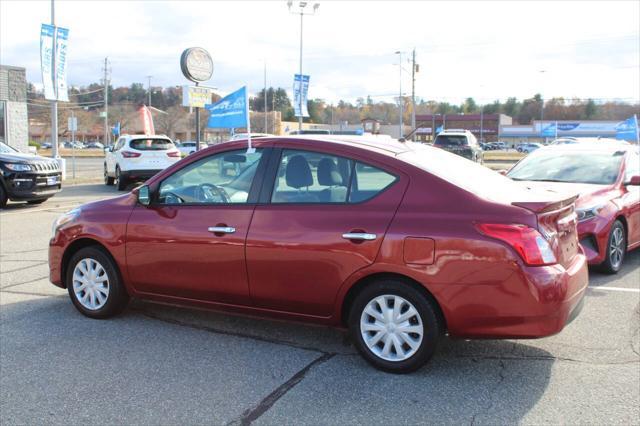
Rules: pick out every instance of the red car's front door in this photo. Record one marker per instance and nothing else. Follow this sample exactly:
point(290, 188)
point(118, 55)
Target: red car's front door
point(299, 250)
point(189, 242)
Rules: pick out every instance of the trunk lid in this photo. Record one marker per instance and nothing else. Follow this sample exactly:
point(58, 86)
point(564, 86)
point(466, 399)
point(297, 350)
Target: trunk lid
point(558, 223)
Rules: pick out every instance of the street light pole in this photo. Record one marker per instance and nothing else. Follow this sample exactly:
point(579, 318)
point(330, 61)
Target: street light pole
point(54, 102)
point(149, 89)
point(399, 53)
point(302, 5)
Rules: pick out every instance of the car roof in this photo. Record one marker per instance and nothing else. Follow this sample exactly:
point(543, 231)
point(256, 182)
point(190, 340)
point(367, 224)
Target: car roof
point(377, 143)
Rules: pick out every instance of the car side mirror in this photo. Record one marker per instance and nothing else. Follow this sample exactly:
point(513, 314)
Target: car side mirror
point(634, 181)
point(144, 195)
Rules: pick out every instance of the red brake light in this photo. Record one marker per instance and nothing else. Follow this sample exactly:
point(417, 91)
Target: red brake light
point(173, 153)
point(528, 242)
point(130, 154)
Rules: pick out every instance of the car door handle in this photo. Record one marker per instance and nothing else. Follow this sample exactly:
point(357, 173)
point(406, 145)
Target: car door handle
point(222, 229)
point(359, 236)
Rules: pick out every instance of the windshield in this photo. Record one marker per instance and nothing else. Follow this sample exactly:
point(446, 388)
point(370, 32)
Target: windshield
point(6, 149)
point(572, 167)
point(450, 140)
point(151, 144)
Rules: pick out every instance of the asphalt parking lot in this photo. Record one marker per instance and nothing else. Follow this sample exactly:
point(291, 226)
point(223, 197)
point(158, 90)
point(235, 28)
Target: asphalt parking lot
point(157, 364)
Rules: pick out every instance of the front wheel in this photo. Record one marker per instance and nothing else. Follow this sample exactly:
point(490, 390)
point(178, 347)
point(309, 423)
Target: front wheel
point(3, 197)
point(94, 284)
point(616, 249)
point(394, 326)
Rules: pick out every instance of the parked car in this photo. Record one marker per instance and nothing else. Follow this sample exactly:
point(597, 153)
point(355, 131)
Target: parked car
point(94, 145)
point(27, 177)
point(138, 157)
point(188, 147)
point(528, 147)
point(399, 242)
point(45, 145)
point(460, 142)
point(607, 177)
point(240, 136)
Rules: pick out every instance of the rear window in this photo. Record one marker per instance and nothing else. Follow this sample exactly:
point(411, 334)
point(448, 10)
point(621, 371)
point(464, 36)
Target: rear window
point(465, 174)
point(443, 140)
point(151, 144)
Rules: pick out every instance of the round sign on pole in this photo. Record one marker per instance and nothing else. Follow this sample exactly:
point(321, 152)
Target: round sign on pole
point(196, 64)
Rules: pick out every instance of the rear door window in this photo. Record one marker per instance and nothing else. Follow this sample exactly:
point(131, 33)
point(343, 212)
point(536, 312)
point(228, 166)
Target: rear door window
point(450, 140)
point(151, 144)
point(315, 177)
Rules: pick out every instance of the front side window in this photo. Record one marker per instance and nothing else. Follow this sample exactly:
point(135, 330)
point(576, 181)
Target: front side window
point(632, 166)
point(314, 177)
point(222, 178)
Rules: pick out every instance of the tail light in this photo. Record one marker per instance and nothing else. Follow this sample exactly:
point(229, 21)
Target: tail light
point(173, 153)
point(532, 247)
point(130, 154)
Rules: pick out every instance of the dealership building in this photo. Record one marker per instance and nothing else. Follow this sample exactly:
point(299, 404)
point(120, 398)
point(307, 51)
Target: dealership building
point(543, 131)
point(486, 127)
point(14, 126)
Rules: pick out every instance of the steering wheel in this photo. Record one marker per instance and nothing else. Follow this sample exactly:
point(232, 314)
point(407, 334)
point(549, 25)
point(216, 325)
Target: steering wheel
point(171, 198)
point(210, 191)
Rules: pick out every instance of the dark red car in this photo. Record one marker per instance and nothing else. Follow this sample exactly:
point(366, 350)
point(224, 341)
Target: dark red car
point(401, 243)
point(606, 175)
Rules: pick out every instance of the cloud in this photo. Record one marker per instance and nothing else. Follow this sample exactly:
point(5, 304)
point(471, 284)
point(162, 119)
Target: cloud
point(487, 50)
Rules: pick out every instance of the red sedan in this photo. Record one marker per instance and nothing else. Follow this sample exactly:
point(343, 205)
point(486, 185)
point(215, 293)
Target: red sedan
point(401, 243)
point(606, 174)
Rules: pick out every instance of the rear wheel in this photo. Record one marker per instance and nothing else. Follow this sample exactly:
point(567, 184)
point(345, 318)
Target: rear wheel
point(394, 326)
point(122, 182)
point(94, 284)
point(108, 180)
point(616, 249)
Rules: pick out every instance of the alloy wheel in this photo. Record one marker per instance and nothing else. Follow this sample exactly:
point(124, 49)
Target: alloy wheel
point(616, 247)
point(90, 284)
point(391, 327)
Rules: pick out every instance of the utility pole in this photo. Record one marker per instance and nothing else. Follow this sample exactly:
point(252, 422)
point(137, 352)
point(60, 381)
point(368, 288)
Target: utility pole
point(265, 97)
point(413, 95)
point(149, 86)
point(399, 53)
point(106, 101)
point(54, 103)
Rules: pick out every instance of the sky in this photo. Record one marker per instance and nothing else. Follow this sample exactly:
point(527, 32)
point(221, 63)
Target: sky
point(481, 49)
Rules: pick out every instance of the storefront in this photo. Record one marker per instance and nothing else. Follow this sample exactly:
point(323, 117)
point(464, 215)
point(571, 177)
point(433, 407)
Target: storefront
point(485, 127)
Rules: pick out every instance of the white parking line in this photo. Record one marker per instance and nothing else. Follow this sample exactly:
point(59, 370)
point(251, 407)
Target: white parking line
point(630, 290)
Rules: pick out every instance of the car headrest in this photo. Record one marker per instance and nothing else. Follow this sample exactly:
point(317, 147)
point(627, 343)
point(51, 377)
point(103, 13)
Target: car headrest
point(328, 174)
point(298, 174)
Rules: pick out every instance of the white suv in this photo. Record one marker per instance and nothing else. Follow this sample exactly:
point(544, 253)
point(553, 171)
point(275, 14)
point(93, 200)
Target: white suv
point(135, 157)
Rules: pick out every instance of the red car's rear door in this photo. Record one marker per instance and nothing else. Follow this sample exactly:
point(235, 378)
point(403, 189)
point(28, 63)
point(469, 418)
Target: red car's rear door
point(299, 250)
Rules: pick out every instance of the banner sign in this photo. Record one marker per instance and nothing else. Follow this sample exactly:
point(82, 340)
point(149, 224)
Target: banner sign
point(194, 96)
point(300, 83)
point(116, 129)
point(147, 121)
point(46, 60)
point(62, 37)
point(628, 129)
point(230, 112)
point(550, 131)
point(50, 35)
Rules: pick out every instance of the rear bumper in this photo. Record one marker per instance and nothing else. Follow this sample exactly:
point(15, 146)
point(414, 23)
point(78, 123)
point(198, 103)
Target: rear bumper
point(139, 174)
point(537, 302)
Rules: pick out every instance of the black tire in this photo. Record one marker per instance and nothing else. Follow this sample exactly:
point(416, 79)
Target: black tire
point(3, 197)
point(40, 201)
point(427, 310)
point(108, 180)
point(122, 182)
point(117, 298)
point(613, 262)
